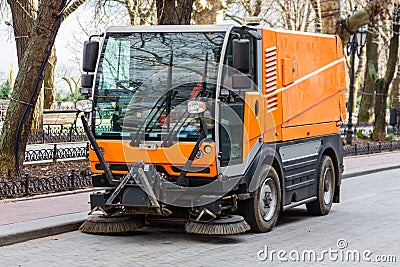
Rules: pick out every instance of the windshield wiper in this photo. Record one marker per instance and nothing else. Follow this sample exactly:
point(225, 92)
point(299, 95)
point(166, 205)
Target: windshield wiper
point(159, 111)
point(136, 139)
point(169, 96)
point(169, 87)
point(204, 78)
point(185, 116)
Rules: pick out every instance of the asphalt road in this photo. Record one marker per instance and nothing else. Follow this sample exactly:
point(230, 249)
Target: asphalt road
point(363, 230)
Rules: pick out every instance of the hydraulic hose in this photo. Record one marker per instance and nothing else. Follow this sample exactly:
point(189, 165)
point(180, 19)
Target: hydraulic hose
point(96, 149)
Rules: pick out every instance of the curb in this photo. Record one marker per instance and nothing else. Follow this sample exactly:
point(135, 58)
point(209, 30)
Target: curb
point(12, 233)
point(50, 195)
point(370, 170)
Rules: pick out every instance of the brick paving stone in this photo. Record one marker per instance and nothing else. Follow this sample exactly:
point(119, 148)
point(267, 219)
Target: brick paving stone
point(367, 218)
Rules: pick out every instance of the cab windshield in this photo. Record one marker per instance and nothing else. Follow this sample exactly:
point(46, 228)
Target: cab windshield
point(145, 79)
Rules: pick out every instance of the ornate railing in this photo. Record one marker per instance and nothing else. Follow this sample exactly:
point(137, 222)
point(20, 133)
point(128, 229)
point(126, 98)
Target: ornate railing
point(58, 135)
point(31, 186)
point(370, 148)
point(56, 152)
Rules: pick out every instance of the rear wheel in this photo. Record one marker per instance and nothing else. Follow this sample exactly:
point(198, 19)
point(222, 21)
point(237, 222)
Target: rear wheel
point(326, 188)
point(262, 211)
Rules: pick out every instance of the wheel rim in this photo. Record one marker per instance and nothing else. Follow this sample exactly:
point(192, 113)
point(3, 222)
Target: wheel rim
point(328, 186)
point(267, 199)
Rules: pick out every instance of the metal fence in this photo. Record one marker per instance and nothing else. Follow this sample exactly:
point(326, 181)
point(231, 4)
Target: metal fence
point(59, 134)
point(370, 148)
point(57, 152)
point(31, 186)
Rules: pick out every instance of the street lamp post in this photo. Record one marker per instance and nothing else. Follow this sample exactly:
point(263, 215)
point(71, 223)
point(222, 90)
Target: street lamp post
point(354, 46)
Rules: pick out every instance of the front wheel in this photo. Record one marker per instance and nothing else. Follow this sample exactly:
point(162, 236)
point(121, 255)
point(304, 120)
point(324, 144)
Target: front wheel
point(326, 188)
point(262, 211)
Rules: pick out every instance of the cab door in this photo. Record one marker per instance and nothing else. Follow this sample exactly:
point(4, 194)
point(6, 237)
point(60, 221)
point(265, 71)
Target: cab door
point(240, 105)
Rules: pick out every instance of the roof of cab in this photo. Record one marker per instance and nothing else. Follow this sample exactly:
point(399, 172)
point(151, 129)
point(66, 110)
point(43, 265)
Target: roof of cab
point(171, 28)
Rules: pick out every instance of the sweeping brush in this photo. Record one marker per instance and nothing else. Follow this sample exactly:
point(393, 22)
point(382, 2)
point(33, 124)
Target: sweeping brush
point(233, 224)
point(99, 224)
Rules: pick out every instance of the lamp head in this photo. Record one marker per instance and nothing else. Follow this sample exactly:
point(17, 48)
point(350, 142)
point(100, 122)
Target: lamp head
point(362, 35)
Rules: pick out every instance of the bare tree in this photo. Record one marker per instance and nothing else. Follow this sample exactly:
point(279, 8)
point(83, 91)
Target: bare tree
point(292, 15)
point(367, 96)
point(71, 77)
point(206, 12)
point(395, 96)
point(39, 21)
point(174, 12)
point(382, 84)
point(140, 12)
point(316, 5)
point(373, 11)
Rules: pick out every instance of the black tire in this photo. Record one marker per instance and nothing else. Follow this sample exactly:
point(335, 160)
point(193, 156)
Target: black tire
point(326, 188)
point(263, 219)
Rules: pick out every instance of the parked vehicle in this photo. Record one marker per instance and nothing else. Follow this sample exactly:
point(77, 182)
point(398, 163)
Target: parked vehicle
point(219, 126)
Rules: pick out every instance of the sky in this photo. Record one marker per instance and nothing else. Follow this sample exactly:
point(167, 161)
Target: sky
point(8, 53)
point(69, 43)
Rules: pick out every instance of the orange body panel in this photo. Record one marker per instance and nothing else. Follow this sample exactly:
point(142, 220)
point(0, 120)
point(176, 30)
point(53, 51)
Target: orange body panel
point(291, 133)
point(254, 119)
point(270, 83)
point(118, 152)
point(315, 99)
point(307, 97)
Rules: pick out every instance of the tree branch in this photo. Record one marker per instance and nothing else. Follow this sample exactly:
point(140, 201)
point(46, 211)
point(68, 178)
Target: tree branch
point(346, 27)
point(74, 6)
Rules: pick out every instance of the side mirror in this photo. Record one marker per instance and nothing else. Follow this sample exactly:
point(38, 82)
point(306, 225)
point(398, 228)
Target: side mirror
point(90, 54)
point(86, 83)
point(240, 81)
point(84, 105)
point(241, 55)
point(394, 112)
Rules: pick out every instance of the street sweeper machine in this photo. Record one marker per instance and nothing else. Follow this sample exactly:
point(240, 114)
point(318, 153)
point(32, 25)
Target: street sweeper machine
point(217, 128)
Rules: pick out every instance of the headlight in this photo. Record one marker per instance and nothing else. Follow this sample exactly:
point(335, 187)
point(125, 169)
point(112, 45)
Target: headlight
point(84, 105)
point(207, 149)
point(199, 154)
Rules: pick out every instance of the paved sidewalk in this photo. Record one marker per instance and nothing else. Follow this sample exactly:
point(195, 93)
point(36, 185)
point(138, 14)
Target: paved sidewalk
point(25, 219)
point(366, 164)
point(32, 209)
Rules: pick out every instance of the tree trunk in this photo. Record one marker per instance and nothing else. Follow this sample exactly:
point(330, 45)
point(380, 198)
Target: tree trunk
point(47, 94)
point(37, 118)
point(395, 100)
point(170, 12)
point(330, 15)
point(207, 12)
point(24, 15)
point(366, 111)
point(317, 10)
point(18, 120)
point(382, 86)
point(48, 82)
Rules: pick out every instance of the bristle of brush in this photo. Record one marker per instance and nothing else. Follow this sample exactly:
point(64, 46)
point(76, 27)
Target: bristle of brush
point(201, 228)
point(113, 225)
